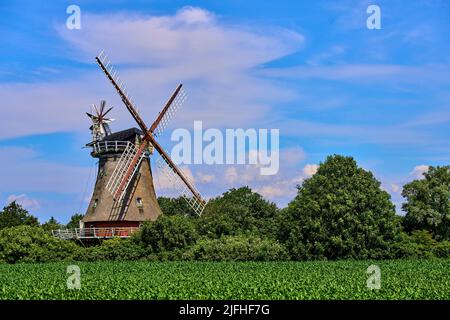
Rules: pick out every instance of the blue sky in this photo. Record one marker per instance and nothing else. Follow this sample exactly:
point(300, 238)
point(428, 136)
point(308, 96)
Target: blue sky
point(309, 68)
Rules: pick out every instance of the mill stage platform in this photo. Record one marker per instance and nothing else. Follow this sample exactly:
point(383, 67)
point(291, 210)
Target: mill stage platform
point(95, 233)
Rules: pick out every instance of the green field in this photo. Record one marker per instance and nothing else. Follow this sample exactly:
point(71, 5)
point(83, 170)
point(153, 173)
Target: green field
point(414, 279)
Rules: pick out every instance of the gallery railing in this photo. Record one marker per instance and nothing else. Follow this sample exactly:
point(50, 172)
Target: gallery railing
point(94, 233)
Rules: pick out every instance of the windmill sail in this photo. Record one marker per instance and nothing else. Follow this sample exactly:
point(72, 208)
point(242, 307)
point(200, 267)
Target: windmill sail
point(173, 104)
point(192, 197)
point(130, 160)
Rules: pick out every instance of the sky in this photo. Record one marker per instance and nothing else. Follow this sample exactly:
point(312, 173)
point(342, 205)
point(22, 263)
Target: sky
point(311, 69)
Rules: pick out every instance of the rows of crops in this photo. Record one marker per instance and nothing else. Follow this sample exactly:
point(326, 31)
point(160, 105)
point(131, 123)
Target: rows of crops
point(420, 279)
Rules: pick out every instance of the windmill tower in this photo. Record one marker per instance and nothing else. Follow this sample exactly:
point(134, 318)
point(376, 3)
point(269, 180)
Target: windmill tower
point(124, 195)
point(139, 201)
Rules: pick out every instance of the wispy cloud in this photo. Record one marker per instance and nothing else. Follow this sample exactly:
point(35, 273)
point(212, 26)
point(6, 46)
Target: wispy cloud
point(25, 201)
point(154, 53)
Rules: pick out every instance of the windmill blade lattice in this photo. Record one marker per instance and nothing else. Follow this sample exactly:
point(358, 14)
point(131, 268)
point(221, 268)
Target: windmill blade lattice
point(131, 157)
point(111, 73)
point(197, 204)
point(174, 107)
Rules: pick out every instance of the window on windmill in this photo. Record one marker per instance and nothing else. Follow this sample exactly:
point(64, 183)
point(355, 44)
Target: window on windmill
point(139, 202)
point(95, 203)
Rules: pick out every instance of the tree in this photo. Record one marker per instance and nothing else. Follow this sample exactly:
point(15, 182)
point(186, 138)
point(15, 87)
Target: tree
point(74, 221)
point(14, 215)
point(52, 224)
point(173, 206)
point(427, 203)
point(340, 212)
point(238, 211)
point(168, 233)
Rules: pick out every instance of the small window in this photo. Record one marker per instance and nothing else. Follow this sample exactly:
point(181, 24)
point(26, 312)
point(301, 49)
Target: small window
point(139, 202)
point(95, 203)
point(101, 172)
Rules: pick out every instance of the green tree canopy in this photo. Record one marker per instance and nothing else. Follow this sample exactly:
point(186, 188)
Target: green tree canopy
point(32, 244)
point(340, 212)
point(52, 224)
point(238, 211)
point(168, 233)
point(427, 203)
point(174, 206)
point(74, 221)
point(14, 215)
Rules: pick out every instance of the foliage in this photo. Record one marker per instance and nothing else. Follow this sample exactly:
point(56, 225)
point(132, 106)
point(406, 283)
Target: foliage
point(420, 244)
point(168, 233)
point(340, 212)
point(74, 221)
point(51, 224)
point(238, 211)
point(112, 249)
point(33, 244)
point(401, 279)
point(14, 215)
point(236, 248)
point(175, 206)
point(428, 203)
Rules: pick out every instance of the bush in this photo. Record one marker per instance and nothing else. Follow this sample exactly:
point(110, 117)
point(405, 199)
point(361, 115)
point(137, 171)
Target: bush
point(167, 233)
point(236, 248)
point(112, 249)
point(442, 249)
point(33, 244)
point(420, 244)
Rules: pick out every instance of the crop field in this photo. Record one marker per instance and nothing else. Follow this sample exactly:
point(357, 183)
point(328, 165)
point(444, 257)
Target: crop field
point(409, 279)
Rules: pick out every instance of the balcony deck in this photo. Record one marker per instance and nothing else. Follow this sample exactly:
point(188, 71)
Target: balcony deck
point(102, 147)
point(94, 233)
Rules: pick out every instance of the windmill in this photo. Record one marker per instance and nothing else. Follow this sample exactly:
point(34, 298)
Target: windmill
point(124, 194)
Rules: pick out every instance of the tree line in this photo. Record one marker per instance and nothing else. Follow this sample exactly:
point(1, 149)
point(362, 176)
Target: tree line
point(341, 212)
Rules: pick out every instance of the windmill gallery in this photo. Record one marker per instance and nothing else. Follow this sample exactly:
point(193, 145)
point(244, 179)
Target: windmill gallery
point(124, 195)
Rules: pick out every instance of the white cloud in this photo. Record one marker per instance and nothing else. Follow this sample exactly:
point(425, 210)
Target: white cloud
point(418, 171)
point(396, 188)
point(310, 169)
point(205, 178)
point(231, 175)
point(25, 201)
point(193, 39)
point(153, 54)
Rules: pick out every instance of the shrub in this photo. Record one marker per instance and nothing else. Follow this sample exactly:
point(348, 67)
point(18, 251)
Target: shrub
point(112, 249)
point(33, 244)
point(167, 233)
point(442, 249)
point(420, 244)
point(236, 248)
